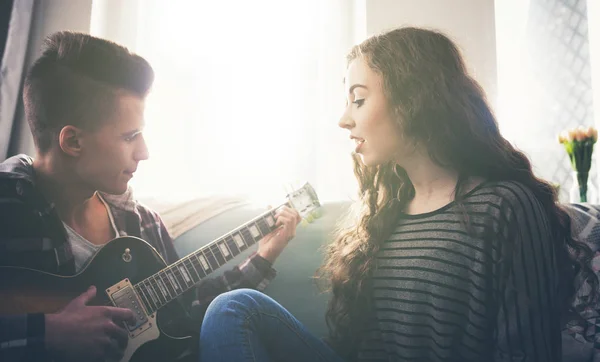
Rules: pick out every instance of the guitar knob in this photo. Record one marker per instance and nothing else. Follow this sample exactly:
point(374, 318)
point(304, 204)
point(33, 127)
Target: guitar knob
point(127, 255)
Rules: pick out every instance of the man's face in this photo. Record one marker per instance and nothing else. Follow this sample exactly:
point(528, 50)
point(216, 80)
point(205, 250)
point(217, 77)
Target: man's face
point(110, 155)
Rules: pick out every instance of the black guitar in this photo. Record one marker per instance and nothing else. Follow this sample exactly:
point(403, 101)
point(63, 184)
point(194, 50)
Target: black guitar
point(133, 275)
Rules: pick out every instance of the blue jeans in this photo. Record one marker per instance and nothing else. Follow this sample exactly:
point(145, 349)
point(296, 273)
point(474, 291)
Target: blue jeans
point(246, 325)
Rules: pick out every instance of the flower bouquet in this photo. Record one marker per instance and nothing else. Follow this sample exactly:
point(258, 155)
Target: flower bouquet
point(579, 144)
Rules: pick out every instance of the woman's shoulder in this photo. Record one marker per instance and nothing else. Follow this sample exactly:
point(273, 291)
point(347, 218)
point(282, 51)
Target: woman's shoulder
point(503, 190)
point(513, 198)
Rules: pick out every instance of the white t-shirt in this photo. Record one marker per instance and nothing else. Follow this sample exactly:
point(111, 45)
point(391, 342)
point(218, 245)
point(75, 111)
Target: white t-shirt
point(82, 249)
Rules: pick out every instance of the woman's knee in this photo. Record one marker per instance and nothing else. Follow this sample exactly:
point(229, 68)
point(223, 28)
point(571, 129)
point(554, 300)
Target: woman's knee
point(239, 302)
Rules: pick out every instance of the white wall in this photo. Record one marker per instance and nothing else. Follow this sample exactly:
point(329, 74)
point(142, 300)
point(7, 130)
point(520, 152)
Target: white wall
point(470, 23)
point(116, 20)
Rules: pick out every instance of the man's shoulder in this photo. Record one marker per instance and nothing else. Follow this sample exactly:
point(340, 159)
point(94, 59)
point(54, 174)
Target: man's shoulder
point(17, 166)
point(136, 219)
point(146, 212)
point(17, 182)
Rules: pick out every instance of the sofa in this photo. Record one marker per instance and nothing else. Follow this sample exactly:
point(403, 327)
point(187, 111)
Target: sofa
point(295, 287)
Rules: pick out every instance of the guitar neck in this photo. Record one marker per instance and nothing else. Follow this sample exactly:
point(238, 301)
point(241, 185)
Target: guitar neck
point(174, 280)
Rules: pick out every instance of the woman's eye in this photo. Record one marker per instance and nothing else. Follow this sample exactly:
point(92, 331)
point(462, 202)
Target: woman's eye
point(359, 102)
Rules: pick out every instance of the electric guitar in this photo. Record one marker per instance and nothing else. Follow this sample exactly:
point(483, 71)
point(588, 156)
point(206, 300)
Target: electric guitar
point(129, 273)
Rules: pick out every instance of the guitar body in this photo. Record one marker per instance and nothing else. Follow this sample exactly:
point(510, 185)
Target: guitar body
point(31, 291)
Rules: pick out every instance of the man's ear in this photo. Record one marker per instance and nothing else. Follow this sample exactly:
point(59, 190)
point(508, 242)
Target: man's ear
point(69, 140)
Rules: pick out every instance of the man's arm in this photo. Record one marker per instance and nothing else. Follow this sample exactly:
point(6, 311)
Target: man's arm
point(78, 332)
point(22, 337)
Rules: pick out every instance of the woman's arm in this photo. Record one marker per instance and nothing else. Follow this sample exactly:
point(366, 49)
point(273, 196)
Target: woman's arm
point(528, 309)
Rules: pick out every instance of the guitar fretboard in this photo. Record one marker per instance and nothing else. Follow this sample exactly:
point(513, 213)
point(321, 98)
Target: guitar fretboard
point(164, 286)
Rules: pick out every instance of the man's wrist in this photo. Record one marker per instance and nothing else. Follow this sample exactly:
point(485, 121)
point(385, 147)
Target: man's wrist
point(267, 256)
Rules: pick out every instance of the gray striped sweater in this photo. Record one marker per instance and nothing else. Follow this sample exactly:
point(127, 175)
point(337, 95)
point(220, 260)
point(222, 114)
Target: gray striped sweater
point(444, 291)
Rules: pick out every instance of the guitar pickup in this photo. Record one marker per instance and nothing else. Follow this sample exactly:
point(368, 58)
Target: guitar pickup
point(127, 298)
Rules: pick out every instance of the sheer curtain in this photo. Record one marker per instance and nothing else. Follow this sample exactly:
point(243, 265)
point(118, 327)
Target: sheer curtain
point(247, 94)
point(594, 39)
point(544, 79)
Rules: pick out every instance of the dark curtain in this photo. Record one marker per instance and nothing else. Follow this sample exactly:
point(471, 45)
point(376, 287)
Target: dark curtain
point(15, 25)
point(5, 11)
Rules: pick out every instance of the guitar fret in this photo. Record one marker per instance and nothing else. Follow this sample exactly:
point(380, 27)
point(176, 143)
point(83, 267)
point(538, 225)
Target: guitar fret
point(146, 294)
point(225, 250)
point(159, 294)
point(163, 290)
point(197, 267)
point(179, 278)
point(190, 265)
point(217, 253)
point(173, 279)
point(154, 302)
point(143, 298)
point(255, 232)
point(202, 260)
point(187, 279)
point(155, 293)
point(271, 220)
point(167, 284)
point(239, 241)
point(263, 227)
point(211, 259)
point(247, 236)
point(231, 245)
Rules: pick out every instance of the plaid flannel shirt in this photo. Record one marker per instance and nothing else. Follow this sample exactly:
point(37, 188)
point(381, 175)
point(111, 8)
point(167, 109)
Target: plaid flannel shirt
point(32, 235)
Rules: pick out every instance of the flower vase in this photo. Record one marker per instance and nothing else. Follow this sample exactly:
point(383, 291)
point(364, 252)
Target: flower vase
point(583, 190)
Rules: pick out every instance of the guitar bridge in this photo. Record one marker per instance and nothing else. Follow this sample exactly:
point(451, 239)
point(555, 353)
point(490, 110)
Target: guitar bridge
point(123, 295)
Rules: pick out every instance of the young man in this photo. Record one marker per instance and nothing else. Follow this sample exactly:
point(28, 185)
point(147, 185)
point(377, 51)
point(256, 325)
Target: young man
point(84, 101)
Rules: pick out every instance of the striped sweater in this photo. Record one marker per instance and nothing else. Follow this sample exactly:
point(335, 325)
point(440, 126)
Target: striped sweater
point(444, 290)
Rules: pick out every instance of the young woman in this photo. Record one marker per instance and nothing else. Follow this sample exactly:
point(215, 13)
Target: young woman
point(456, 252)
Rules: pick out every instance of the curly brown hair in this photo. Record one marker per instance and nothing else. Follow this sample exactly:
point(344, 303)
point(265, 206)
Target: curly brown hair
point(438, 104)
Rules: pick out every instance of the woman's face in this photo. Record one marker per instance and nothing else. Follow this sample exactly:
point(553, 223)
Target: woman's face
point(369, 118)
